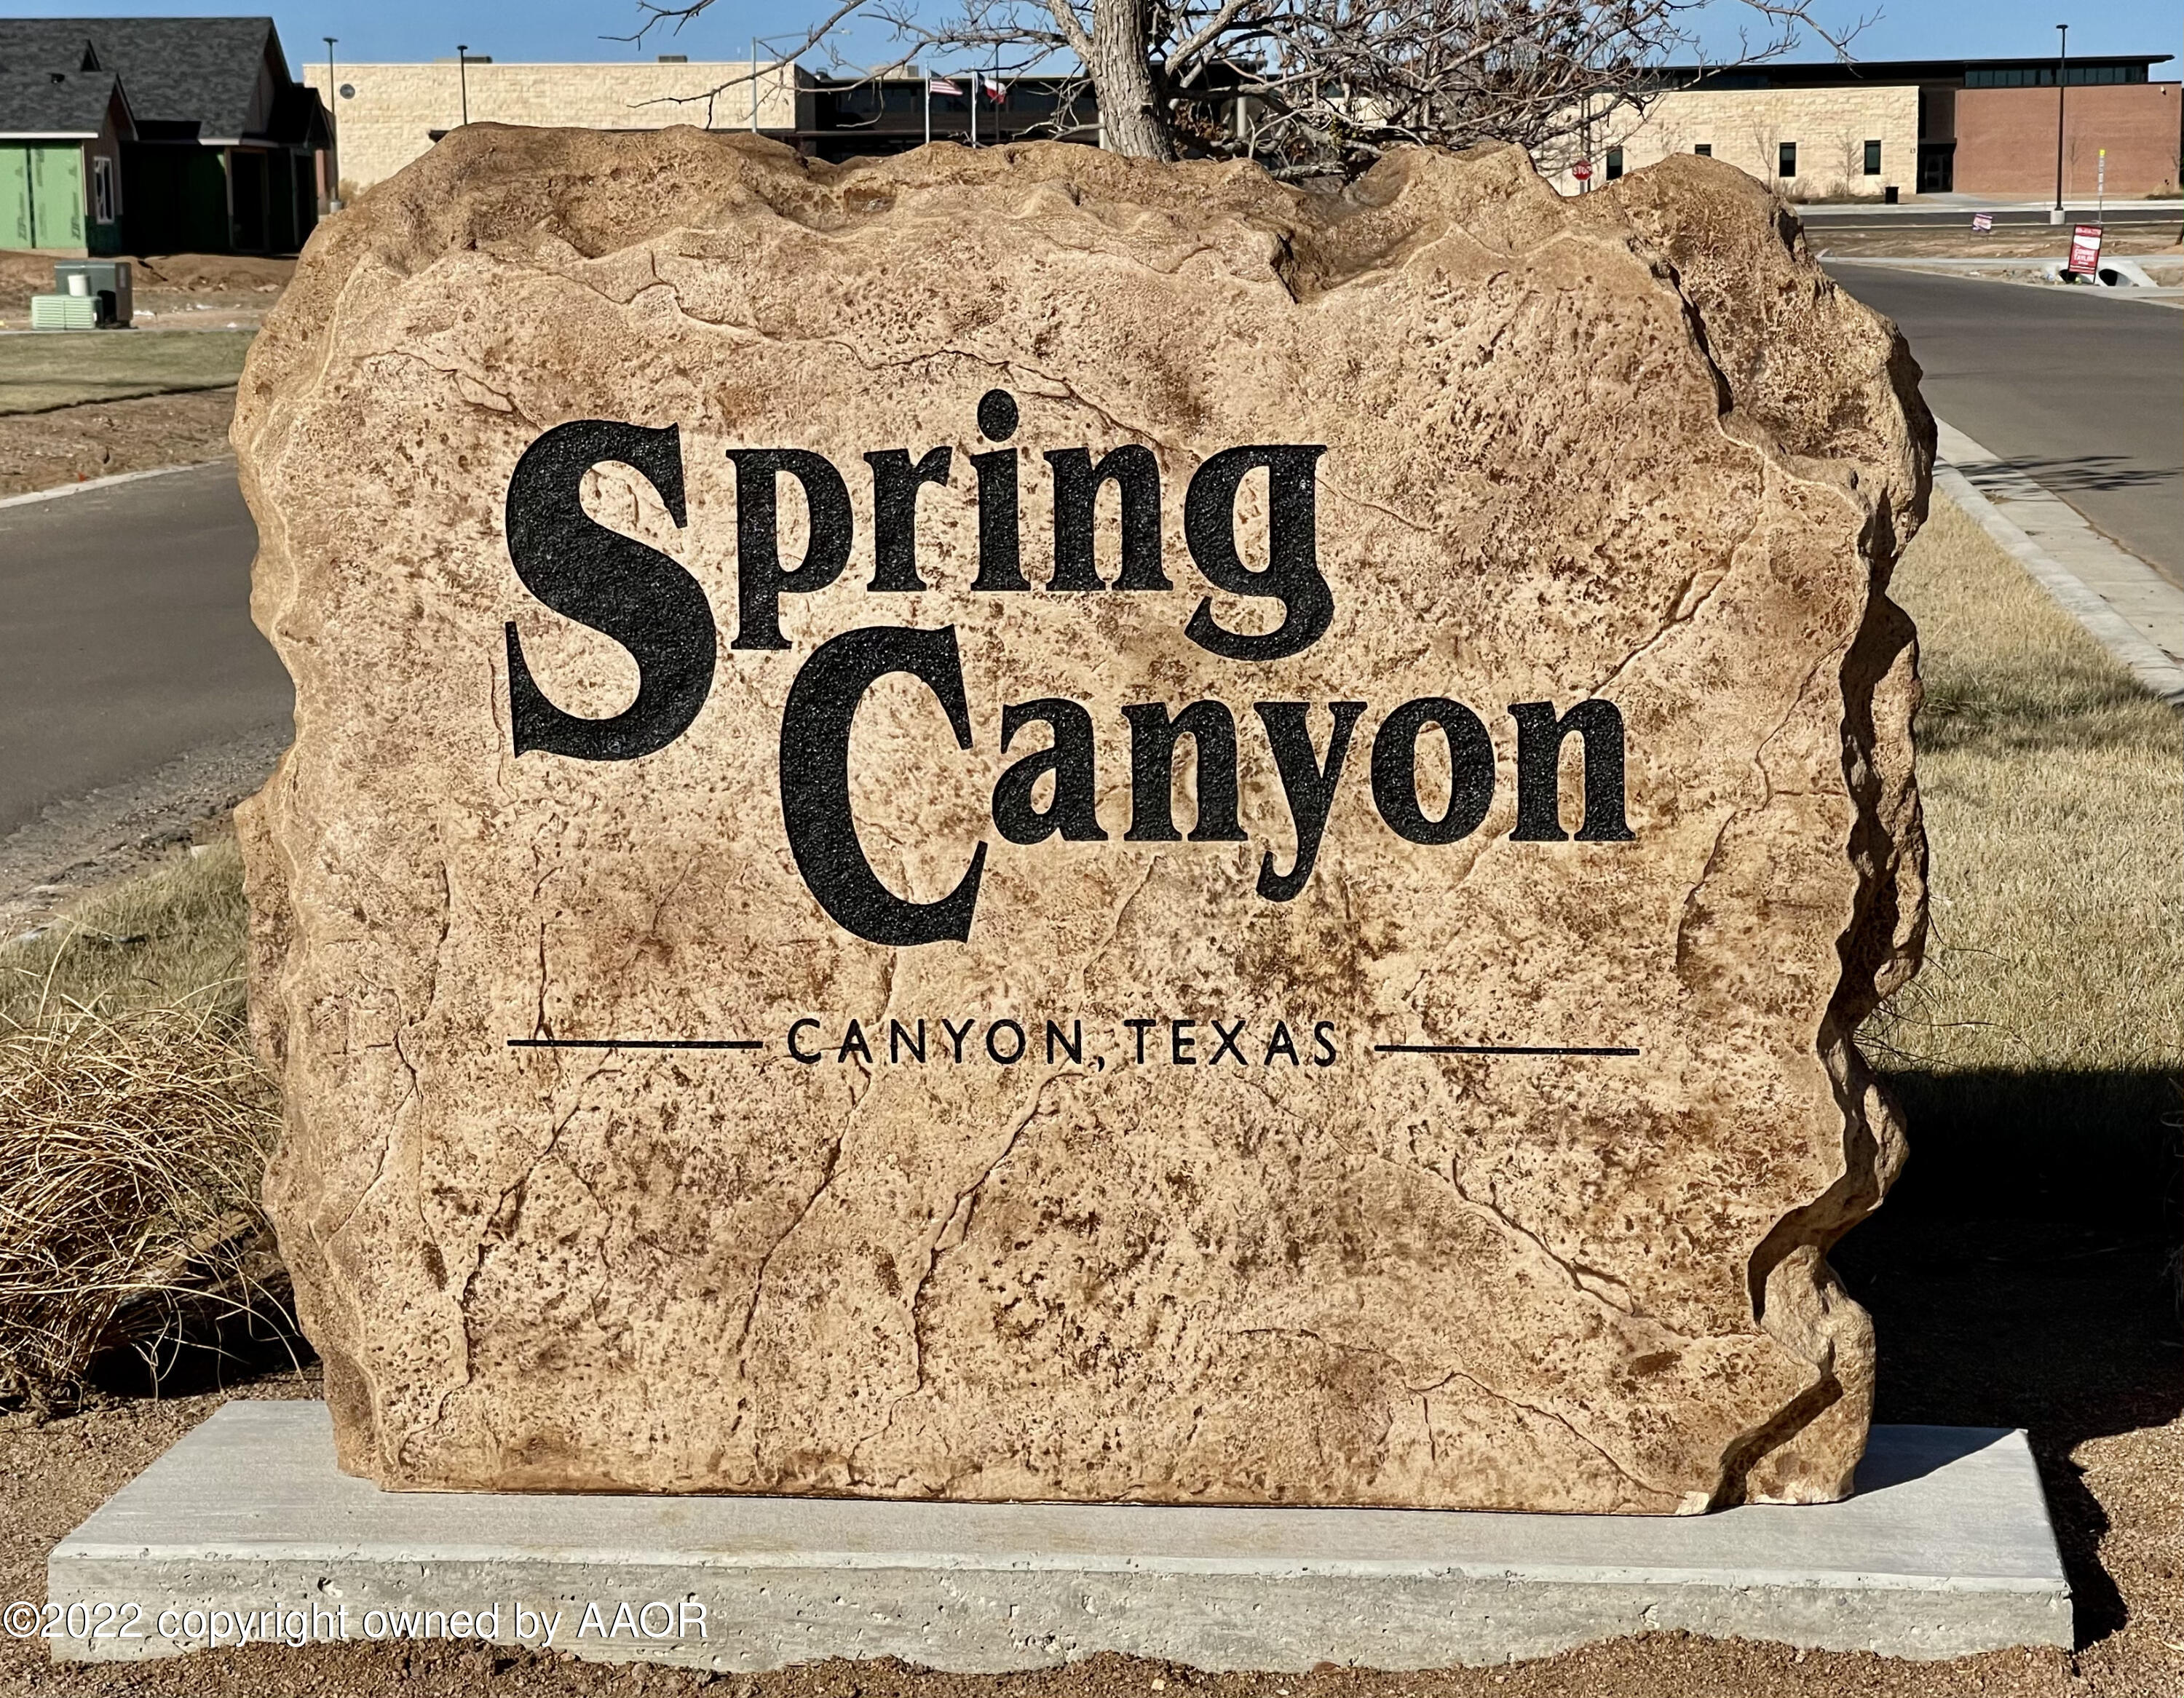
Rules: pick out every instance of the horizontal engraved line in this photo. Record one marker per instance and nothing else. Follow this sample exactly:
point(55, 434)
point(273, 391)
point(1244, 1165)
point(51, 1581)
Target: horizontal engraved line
point(1496, 1050)
point(636, 1043)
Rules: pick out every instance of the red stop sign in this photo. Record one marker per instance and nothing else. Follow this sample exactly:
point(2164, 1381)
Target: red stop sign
point(1582, 170)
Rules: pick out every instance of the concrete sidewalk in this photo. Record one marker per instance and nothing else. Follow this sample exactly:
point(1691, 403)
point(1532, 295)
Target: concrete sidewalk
point(2129, 608)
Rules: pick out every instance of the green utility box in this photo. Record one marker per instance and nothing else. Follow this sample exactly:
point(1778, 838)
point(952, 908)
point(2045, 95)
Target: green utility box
point(106, 282)
point(63, 312)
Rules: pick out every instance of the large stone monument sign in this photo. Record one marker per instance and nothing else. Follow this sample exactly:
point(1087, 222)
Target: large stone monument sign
point(1018, 825)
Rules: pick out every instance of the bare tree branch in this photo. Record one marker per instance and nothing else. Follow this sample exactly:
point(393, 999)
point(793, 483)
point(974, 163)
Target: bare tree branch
point(1313, 87)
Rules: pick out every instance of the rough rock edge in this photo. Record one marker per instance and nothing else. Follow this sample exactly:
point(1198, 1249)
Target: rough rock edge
point(1808, 1451)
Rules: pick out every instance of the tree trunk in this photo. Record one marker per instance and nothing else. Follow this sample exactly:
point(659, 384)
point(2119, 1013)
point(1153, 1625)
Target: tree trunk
point(1130, 113)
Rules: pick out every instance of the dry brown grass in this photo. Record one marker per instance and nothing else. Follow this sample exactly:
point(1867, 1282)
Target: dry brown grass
point(132, 1147)
point(173, 937)
point(2053, 789)
point(39, 373)
point(2042, 1045)
point(134, 1129)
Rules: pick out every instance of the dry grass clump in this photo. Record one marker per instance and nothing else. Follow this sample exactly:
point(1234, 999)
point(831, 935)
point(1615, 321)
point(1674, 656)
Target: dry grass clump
point(132, 1147)
point(134, 1129)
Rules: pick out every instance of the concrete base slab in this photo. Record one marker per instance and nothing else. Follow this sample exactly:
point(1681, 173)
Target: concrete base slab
point(245, 1531)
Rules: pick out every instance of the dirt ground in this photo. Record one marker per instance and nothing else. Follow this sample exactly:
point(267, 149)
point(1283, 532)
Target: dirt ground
point(73, 444)
point(217, 290)
point(2070, 1331)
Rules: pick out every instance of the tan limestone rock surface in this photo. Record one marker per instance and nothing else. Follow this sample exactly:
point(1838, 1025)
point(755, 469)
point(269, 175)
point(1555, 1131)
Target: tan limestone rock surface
point(1632, 447)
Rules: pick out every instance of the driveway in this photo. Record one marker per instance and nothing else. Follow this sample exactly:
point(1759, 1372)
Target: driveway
point(2079, 391)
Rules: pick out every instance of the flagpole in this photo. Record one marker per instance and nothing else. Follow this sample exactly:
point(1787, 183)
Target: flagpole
point(973, 104)
point(928, 106)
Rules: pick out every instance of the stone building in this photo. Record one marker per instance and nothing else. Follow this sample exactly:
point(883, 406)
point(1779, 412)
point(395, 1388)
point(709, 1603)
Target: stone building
point(1812, 143)
point(1820, 131)
point(385, 115)
point(1856, 131)
point(388, 114)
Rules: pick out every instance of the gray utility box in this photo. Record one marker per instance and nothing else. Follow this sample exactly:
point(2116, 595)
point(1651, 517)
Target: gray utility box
point(105, 280)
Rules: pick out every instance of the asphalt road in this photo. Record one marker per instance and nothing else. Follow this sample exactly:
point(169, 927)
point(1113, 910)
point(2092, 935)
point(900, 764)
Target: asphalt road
point(2080, 391)
point(126, 650)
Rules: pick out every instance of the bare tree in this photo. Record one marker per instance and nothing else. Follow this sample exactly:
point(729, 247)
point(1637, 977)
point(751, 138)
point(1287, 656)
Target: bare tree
point(1311, 87)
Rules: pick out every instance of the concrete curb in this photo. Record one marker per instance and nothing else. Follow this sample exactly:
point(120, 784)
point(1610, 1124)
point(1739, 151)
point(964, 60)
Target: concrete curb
point(90, 484)
point(2146, 660)
point(2146, 294)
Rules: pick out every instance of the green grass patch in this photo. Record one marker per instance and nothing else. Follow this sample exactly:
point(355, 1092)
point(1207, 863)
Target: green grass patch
point(45, 370)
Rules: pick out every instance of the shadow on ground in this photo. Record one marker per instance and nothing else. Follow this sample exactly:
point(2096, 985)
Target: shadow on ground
point(208, 1345)
point(2025, 1274)
point(2071, 474)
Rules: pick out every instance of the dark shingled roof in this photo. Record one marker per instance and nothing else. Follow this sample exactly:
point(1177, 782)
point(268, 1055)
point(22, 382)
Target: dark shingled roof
point(176, 70)
point(39, 102)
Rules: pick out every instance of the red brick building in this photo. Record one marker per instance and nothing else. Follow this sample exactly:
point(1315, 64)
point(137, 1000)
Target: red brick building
point(2006, 140)
point(1984, 126)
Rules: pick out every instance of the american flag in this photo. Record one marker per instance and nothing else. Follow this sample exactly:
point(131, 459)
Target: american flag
point(940, 84)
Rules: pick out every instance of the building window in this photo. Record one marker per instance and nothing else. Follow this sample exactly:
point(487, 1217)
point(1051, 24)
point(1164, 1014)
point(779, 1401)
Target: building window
point(2044, 76)
point(1614, 164)
point(1704, 150)
point(1873, 158)
point(105, 204)
point(1786, 160)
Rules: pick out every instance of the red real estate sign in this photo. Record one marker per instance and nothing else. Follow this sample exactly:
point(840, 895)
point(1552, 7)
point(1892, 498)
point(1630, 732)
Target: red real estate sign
point(2086, 248)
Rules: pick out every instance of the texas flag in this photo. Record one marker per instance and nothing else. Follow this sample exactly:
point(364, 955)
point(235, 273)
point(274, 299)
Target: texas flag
point(996, 92)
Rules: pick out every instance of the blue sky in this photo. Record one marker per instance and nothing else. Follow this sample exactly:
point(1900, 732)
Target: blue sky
point(577, 30)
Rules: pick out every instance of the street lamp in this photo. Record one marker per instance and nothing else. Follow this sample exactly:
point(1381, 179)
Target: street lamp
point(333, 137)
point(2062, 70)
point(463, 76)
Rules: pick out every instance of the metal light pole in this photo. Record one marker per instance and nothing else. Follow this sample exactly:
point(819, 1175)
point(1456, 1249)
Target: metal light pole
point(463, 75)
point(333, 133)
point(2062, 73)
